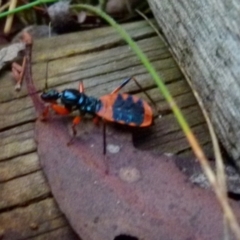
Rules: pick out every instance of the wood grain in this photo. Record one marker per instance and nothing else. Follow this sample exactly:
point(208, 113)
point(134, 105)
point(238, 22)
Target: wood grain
point(27, 209)
point(204, 37)
point(40, 220)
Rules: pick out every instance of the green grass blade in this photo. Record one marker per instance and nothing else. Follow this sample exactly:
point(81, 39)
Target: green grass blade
point(24, 7)
point(143, 58)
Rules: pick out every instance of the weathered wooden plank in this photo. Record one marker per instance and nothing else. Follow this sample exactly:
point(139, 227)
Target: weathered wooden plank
point(78, 60)
point(34, 221)
point(19, 112)
point(22, 190)
point(183, 101)
point(64, 233)
point(99, 58)
point(98, 81)
point(19, 166)
point(94, 67)
point(167, 125)
point(176, 141)
point(204, 37)
point(113, 73)
point(17, 148)
point(17, 134)
point(176, 87)
point(82, 42)
point(101, 70)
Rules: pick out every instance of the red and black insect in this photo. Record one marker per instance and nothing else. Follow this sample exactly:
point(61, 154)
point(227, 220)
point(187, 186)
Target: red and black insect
point(116, 107)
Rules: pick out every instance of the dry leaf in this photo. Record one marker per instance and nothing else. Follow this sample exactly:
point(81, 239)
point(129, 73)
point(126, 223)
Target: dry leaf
point(10, 53)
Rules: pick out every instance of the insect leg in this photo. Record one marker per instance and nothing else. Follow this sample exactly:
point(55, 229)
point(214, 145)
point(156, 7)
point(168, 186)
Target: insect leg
point(125, 82)
point(104, 137)
point(59, 109)
point(105, 147)
point(45, 113)
point(75, 122)
point(96, 120)
point(81, 87)
point(148, 96)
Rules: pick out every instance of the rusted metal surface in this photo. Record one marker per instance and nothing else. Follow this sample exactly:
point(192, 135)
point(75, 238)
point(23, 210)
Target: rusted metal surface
point(142, 194)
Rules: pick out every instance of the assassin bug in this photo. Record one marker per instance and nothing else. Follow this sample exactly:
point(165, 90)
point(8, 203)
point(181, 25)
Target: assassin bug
point(115, 107)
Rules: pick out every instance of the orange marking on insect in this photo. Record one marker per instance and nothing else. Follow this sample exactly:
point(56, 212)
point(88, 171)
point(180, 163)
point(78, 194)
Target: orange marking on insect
point(106, 110)
point(45, 113)
point(76, 120)
point(61, 110)
point(96, 120)
point(81, 87)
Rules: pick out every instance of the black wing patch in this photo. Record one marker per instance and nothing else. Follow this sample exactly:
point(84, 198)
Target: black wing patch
point(128, 111)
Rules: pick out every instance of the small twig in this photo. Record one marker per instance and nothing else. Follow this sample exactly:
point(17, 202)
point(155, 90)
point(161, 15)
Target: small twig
point(151, 24)
point(49, 29)
point(46, 77)
point(18, 71)
point(128, 6)
point(8, 24)
point(27, 39)
point(20, 78)
point(4, 7)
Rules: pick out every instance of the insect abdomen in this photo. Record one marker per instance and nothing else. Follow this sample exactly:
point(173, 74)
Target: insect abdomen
point(125, 109)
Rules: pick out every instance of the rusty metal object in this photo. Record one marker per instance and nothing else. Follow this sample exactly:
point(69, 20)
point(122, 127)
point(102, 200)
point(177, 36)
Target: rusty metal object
point(143, 195)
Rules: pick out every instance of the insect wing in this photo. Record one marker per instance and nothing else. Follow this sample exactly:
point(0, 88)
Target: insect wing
point(125, 109)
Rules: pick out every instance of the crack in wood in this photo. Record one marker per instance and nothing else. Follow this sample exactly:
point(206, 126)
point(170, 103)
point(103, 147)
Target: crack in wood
point(26, 203)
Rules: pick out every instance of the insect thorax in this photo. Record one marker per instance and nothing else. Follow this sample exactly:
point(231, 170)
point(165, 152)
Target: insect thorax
point(74, 99)
point(70, 97)
point(89, 104)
